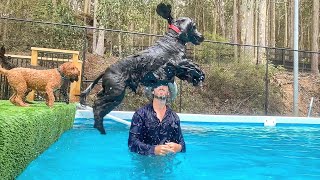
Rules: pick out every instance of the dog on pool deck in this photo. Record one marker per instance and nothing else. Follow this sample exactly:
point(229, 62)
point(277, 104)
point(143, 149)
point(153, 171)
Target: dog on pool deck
point(22, 79)
point(159, 63)
point(6, 63)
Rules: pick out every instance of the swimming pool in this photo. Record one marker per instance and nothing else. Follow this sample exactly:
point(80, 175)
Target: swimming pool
point(214, 151)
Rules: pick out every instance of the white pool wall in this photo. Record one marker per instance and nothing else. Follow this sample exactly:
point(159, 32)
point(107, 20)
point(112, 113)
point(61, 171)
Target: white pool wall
point(87, 114)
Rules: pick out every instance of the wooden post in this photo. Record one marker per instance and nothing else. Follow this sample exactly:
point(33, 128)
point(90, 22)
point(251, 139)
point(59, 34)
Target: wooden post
point(75, 86)
point(34, 62)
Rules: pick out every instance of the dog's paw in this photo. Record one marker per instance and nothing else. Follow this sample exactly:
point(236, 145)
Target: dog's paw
point(102, 131)
point(81, 106)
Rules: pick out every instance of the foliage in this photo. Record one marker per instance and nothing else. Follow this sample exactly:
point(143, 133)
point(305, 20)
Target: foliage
point(234, 88)
point(210, 52)
point(25, 132)
point(240, 87)
point(24, 35)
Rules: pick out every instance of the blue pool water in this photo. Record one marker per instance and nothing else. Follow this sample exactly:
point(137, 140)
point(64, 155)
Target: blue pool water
point(214, 151)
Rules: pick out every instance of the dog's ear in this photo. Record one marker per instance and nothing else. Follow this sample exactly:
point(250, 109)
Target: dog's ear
point(164, 11)
point(2, 51)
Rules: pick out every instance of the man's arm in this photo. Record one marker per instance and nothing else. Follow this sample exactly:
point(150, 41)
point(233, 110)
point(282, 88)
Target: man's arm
point(179, 144)
point(180, 138)
point(135, 135)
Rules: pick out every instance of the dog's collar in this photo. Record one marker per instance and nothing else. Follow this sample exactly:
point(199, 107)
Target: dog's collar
point(173, 27)
point(61, 74)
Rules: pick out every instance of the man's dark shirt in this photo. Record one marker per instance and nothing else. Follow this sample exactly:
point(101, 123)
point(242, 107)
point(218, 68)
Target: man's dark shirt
point(147, 131)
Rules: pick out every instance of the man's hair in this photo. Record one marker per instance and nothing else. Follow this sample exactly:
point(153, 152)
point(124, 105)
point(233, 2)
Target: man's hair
point(173, 92)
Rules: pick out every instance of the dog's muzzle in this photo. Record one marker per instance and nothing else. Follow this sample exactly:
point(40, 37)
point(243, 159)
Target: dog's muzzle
point(198, 81)
point(197, 38)
point(73, 79)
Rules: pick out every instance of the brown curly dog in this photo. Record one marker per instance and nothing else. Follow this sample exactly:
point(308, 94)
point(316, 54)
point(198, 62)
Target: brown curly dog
point(21, 79)
point(6, 63)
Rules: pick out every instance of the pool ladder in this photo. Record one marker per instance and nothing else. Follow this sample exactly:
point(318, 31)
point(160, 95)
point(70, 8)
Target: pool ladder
point(310, 107)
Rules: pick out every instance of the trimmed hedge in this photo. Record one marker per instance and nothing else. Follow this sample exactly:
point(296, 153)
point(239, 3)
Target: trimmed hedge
point(25, 132)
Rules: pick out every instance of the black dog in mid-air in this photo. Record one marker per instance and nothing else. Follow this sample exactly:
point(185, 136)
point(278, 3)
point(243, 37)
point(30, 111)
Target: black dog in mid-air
point(159, 63)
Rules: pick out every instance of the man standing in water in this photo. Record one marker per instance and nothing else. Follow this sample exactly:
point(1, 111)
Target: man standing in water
point(155, 128)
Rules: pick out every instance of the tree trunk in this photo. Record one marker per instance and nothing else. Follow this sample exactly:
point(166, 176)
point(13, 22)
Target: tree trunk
point(290, 23)
point(100, 44)
point(315, 38)
point(132, 36)
point(214, 18)
point(120, 44)
point(203, 19)
point(221, 10)
point(272, 40)
point(235, 22)
point(86, 10)
point(249, 39)
point(54, 3)
point(286, 26)
point(247, 21)
point(256, 31)
point(239, 22)
point(247, 27)
point(235, 29)
point(155, 27)
point(5, 26)
point(150, 26)
point(262, 14)
point(95, 22)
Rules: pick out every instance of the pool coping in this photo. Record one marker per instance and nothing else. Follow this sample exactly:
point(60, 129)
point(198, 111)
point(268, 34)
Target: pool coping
point(185, 117)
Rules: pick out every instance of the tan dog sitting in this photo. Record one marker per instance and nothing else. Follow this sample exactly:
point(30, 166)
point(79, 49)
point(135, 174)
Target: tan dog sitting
point(20, 79)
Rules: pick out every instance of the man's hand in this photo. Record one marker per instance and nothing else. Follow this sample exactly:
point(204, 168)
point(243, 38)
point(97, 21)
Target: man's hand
point(163, 150)
point(174, 146)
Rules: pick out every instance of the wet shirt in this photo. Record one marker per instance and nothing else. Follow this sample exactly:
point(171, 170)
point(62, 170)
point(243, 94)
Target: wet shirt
point(147, 131)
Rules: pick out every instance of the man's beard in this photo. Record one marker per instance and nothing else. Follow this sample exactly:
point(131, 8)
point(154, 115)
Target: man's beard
point(161, 98)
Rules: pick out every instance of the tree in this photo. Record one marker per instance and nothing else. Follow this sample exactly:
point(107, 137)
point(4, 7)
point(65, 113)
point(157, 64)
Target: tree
point(5, 26)
point(221, 10)
point(315, 37)
point(95, 22)
point(262, 17)
point(272, 21)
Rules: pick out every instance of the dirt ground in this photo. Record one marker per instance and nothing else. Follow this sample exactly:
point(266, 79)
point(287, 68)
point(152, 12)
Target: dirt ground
point(308, 86)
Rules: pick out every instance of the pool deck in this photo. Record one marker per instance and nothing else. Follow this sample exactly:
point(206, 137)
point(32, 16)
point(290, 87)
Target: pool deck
point(127, 115)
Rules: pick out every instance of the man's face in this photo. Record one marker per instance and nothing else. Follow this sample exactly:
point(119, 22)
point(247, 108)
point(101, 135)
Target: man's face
point(161, 91)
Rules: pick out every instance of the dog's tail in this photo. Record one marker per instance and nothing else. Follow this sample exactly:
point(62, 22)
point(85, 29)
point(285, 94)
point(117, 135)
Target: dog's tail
point(86, 92)
point(3, 71)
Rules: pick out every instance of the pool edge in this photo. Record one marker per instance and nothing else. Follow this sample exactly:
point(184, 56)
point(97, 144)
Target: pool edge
point(87, 114)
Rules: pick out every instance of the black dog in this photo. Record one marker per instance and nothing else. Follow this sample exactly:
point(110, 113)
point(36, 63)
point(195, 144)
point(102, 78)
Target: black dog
point(4, 60)
point(159, 63)
point(6, 63)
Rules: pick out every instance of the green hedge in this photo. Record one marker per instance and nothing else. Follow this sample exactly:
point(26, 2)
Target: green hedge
point(25, 132)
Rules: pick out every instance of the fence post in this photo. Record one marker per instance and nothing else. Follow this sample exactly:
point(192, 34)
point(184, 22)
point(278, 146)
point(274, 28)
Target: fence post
point(75, 86)
point(85, 41)
point(257, 55)
point(34, 62)
point(180, 99)
point(283, 58)
point(266, 103)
